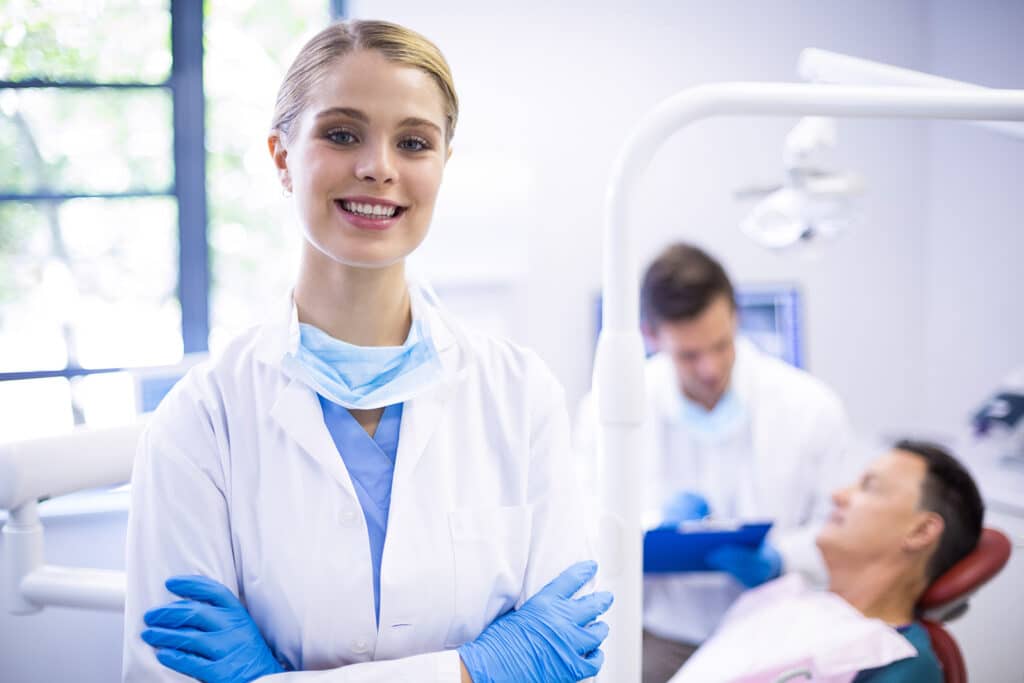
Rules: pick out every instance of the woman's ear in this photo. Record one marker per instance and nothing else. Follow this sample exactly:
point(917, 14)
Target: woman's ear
point(279, 153)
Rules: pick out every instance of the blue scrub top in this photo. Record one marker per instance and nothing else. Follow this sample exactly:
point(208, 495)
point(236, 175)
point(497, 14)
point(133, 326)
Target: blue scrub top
point(371, 465)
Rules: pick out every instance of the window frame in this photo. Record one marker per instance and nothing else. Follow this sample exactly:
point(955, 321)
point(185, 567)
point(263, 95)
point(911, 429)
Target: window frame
point(188, 103)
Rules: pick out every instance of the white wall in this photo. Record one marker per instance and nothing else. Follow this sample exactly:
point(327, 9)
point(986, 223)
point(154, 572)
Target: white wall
point(549, 92)
point(974, 315)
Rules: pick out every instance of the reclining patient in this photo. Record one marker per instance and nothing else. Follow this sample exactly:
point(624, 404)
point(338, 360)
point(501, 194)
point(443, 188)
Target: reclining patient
point(913, 514)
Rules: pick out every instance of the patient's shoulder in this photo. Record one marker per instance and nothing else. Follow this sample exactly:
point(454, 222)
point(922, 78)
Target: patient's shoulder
point(924, 668)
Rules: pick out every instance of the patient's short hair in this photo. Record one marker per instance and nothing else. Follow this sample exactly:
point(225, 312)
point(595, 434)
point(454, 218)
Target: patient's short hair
point(949, 491)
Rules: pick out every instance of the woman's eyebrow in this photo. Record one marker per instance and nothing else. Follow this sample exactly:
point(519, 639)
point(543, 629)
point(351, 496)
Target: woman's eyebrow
point(359, 115)
point(344, 111)
point(415, 121)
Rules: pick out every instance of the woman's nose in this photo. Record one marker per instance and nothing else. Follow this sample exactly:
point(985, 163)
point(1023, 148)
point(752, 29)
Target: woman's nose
point(375, 164)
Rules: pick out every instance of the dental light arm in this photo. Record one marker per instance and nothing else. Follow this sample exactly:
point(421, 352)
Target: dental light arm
point(618, 367)
point(47, 467)
point(822, 66)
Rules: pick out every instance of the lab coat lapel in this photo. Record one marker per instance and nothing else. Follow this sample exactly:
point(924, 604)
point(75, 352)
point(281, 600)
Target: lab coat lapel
point(298, 412)
point(420, 419)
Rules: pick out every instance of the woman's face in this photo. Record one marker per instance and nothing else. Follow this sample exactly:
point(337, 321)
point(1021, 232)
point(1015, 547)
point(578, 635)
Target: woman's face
point(364, 160)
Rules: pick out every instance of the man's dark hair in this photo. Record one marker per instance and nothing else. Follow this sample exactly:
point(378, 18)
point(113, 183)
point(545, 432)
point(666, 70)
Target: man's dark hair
point(680, 284)
point(949, 491)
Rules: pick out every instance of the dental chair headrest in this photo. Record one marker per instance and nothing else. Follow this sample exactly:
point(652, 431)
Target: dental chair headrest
point(946, 598)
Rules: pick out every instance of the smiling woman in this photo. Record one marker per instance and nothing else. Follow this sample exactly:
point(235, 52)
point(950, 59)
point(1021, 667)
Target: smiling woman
point(363, 486)
point(365, 174)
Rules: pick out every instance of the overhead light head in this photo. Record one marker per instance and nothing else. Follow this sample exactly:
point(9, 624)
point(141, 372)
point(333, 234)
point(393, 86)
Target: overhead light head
point(791, 216)
point(811, 203)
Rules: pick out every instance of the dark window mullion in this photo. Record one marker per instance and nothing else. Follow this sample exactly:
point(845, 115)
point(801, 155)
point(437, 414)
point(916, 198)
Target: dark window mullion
point(64, 196)
point(41, 83)
point(190, 171)
point(66, 372)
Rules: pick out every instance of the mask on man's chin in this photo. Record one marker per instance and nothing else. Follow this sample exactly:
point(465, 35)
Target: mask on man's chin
point(723, 421)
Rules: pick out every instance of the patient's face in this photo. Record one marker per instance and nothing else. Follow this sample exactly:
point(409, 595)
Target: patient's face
point(873, 517)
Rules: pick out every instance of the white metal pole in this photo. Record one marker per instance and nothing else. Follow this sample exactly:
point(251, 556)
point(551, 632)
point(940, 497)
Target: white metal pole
point(618, 368)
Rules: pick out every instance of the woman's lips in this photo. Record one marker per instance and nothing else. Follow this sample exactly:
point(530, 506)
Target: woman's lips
point(366, 215)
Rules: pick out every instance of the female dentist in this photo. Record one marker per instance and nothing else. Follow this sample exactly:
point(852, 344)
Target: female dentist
point(361, 490)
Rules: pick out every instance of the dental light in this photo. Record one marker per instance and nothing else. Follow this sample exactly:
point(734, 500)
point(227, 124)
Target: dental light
point(813, 203)
point(619, 364)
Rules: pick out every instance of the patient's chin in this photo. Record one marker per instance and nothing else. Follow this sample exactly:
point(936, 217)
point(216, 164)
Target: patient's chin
point(827, 537)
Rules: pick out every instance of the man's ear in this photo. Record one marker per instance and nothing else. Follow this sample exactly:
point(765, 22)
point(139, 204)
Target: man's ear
point(448, 156)
point(279, 153)
point(925, 533)
point(649, 335)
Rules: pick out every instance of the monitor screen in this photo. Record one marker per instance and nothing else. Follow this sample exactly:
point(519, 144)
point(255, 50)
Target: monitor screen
point(769, 316)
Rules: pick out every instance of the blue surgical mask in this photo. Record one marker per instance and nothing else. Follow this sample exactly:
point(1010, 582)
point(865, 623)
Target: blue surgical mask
point(364, 377)
point(721, 422)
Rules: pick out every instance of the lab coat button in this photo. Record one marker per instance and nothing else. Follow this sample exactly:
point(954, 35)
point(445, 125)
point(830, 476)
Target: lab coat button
point(360, 646)
point(348, 518)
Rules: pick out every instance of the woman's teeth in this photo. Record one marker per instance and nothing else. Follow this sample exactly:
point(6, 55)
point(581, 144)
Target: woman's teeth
point(370, 210)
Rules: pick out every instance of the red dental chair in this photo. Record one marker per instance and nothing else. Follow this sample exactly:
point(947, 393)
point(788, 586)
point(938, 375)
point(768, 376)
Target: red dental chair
point(946, 599)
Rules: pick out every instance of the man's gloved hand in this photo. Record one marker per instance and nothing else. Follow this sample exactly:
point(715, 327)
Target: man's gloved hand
point(750, 566)
point(685, 506)
point(209, 635)
point(552, 638)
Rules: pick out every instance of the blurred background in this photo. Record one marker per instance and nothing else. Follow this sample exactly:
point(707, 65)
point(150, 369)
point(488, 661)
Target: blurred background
point(141, 219)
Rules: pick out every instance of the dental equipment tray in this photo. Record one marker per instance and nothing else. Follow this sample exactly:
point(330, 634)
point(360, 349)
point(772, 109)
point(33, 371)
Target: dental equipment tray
point(684, 548)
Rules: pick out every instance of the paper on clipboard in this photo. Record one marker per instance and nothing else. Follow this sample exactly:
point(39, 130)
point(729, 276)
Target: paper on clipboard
point(684, 548)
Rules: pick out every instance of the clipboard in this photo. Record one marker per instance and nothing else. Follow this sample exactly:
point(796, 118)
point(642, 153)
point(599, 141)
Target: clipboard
point(684, 548)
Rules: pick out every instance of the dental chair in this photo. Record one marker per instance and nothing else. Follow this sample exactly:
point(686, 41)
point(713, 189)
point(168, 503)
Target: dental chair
point(946, 599)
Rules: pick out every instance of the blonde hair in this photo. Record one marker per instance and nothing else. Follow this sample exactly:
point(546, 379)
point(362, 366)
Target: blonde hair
point(396, 43)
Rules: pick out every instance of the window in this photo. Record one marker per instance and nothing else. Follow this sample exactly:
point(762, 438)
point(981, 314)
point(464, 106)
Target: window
point(139, 214)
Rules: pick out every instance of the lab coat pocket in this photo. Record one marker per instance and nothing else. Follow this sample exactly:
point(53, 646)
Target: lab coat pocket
point(491, 547)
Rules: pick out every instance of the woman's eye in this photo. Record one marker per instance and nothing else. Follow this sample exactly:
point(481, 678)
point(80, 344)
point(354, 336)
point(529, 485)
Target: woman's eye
point(340, 136)
point(414, 144)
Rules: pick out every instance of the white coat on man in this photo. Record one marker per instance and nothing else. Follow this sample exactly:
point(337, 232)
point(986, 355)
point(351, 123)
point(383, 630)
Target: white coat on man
point(778, 459)
point(238, 479)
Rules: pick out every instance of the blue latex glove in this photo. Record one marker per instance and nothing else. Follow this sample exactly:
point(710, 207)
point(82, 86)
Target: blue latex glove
point(552, 638)
point(685, 506)
point(750, 566)
point(209, 635)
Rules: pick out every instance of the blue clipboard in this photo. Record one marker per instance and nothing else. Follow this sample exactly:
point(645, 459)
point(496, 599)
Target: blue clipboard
point(684, 548)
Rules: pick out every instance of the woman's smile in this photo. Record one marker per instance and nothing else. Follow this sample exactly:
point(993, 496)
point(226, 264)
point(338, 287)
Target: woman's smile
point(369, 213)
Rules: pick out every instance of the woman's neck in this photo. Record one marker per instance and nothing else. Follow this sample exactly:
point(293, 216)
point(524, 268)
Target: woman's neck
point(361, 306)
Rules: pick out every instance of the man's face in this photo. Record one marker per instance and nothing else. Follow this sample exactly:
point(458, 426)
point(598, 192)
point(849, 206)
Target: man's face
point(879, 517)
point(702, 350)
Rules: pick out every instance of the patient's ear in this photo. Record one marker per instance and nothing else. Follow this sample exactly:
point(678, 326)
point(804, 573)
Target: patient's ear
point(925, 533)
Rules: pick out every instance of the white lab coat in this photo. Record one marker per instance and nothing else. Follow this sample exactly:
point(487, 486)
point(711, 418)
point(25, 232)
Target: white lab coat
point(780, 463)
point(238, 479)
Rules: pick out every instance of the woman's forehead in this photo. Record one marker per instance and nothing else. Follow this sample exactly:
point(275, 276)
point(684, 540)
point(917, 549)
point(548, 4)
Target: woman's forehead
point(368, 82)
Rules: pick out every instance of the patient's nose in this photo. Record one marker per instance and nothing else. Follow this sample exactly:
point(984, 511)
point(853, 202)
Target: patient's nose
point(840, 496)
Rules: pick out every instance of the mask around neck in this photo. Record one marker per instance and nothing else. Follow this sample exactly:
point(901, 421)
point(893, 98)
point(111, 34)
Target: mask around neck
point(364, 377)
